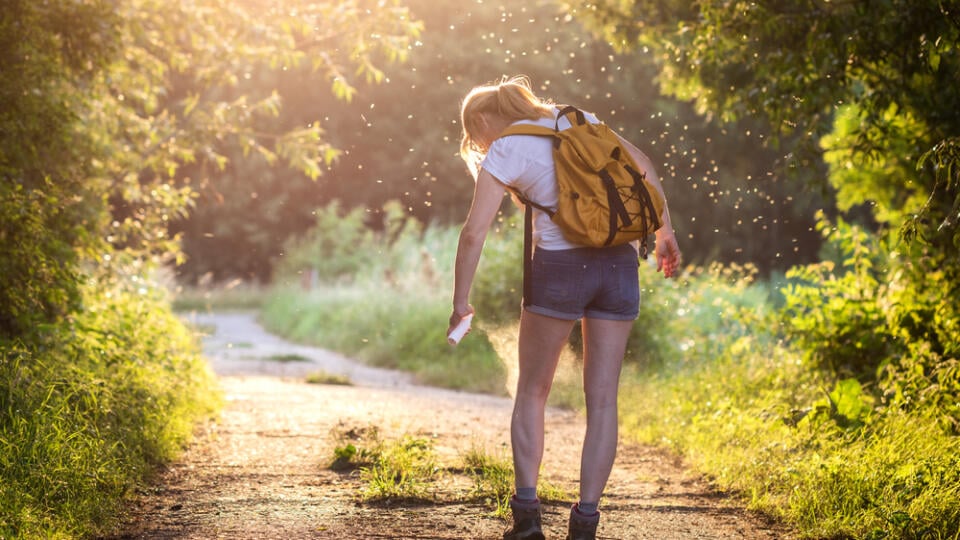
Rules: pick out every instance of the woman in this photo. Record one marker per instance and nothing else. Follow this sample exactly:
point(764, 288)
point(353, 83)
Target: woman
point(570, 282)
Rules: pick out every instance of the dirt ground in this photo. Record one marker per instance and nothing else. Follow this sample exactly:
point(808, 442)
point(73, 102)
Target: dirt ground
point(263, 470)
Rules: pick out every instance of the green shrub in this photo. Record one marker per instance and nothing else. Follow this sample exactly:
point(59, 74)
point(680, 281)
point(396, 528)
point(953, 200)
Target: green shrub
point(689, 318)
point(497, 290)
point(404, 469)
point(384, 328)
point(865, 315)
point(392, 311)
point(89, 413)
point(834, 312)
point(339, 245)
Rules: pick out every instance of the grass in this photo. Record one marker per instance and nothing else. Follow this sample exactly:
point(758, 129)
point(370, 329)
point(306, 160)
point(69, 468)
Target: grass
point(86, 416)
point(408, 469)
point(896, 477)
point(235, 295)
point(793, 442)
point(287, 358)
point(391, 332)
point(322, 377)
point(492, 477)
point(403, 469)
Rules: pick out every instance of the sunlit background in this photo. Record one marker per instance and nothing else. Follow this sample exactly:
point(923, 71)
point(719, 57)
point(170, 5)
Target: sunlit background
point(398, 139)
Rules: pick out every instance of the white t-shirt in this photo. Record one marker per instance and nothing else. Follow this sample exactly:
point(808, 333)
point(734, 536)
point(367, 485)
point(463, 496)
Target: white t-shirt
point(525, 163)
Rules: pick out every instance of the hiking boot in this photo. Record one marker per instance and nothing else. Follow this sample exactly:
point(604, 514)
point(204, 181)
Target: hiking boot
point(582, 527)
point(526, 521)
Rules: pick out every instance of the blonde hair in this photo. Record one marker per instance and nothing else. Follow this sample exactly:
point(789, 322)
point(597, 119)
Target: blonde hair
point(511, 99)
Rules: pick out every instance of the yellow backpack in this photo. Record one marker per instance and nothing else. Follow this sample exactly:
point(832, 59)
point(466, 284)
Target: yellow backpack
point(604, 198)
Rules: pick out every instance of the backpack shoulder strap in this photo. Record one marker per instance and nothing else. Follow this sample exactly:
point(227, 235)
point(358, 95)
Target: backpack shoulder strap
point(528, 129)
point(574, 115)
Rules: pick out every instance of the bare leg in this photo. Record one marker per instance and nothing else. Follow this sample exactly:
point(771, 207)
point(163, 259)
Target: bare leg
point(541, 341)
point(605, 343)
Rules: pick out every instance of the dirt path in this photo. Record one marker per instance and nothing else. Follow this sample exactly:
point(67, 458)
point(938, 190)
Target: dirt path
point(262, 471)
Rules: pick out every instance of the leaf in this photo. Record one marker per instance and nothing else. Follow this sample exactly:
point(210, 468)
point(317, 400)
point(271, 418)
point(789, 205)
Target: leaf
point(849, 403)
point(189, 103)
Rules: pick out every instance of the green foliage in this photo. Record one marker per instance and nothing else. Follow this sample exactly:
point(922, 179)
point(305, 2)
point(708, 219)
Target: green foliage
point(38, 282)
point(403, 469)
point(347, 455)
point(865, 316)
point(112, 120)
point(105, 104)
point(85, 417)
point(259, 91)
point(360, 303)
point(48, 53)
point(492, 479)
point(338, 246)
point(876, 163)
point(498, 285)
point(846, 405)
point(793, 63)
point(671, 309)
point(823, 453)
point(836, 312)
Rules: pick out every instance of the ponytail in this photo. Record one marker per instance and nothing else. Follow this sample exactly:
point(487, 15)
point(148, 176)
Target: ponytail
point(510, 98)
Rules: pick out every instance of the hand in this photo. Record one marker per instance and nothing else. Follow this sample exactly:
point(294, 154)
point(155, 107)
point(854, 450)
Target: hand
point(667, 253)
point(458, 315)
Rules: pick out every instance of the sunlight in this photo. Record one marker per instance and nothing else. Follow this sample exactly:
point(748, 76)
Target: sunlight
point(503, 339)
point(567, 380)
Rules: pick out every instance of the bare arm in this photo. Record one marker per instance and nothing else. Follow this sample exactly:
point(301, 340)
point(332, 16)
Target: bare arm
point(486, 202)
point(667, 250)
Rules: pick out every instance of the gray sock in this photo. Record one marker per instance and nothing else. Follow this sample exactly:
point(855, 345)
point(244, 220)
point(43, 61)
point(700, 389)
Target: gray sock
point(527, 494)
point(587, 509)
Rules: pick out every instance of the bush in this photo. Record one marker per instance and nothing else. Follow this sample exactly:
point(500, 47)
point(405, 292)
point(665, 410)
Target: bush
point(338, 246)
point(820, 451)
point(864, 315)
point(497, 291)
point(87, 415)
point(392, 309)
point(834, 310)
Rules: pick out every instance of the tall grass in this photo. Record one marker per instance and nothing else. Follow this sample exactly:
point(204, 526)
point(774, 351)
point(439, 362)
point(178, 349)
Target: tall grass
point(87, 415)
point(391, 309)
point(400, 329)
point(231, 296)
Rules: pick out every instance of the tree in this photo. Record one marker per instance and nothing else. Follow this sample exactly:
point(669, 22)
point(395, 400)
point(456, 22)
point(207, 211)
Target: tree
point(871, 88)
point(398, 141)
point(188, 92)
point(104, 102)
point(888, 70)
point(50, 53)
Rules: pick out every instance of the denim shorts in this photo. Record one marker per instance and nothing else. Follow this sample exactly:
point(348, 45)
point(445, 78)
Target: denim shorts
point(597, 283)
